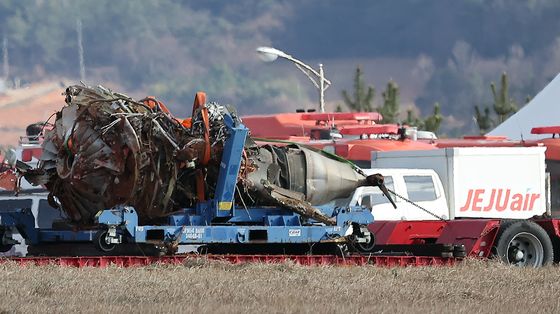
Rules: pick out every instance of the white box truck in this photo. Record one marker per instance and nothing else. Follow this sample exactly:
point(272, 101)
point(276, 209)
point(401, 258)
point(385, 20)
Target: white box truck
point(478, 182)
point(478, 201)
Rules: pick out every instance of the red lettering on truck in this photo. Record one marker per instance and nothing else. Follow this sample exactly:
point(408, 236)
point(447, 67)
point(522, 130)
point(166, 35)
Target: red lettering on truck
point(534, 197)
point(468, 203)
point(517, 202)
point(491, 203)
point(477, 199)
point(503, 206)
point(498, 199)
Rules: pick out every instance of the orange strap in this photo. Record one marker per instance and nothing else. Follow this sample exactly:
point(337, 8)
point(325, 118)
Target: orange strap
point(199, 101)
point(187, 123)
point(151, 102)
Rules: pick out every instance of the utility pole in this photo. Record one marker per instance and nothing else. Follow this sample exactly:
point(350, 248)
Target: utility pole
point(81, 50)
point(321, 88)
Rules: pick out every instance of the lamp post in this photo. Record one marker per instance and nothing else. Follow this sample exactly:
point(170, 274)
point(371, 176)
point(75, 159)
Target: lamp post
point(269, 54)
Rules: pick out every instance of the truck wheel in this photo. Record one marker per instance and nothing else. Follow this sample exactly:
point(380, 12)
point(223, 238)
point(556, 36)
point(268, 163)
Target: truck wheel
point(101, 242)
point(524, 243)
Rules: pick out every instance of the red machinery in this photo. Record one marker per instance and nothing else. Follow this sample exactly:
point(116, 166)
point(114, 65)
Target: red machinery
point(354, 135)
point(350, 135)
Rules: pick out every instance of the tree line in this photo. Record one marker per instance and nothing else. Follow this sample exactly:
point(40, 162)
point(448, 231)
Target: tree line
point(362, 99)
point(490, 116)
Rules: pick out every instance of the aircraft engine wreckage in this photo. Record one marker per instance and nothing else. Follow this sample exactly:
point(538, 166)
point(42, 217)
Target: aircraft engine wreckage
point(106, 149)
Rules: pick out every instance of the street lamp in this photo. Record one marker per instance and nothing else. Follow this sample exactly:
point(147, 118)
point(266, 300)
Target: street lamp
point(269, 54)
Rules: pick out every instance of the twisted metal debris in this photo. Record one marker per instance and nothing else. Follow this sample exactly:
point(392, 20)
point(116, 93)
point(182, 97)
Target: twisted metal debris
point(106, 149)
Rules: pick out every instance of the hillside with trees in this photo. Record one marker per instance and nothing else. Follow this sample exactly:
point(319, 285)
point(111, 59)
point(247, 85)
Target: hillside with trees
point(172, 49)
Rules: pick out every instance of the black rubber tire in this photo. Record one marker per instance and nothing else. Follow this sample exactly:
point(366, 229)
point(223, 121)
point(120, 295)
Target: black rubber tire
point(101, 245)
point(366, 247)
point(447, 254)
point(4, 248)
point(459, 251)
point(357, 246)
point(509, 230)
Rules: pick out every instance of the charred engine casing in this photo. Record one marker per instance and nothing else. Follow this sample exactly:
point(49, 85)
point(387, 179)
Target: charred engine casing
point(106, 149)
point(317, 178)
point(299, 178)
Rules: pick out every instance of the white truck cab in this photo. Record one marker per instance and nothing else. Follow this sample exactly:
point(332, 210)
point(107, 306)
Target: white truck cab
point(422, 186)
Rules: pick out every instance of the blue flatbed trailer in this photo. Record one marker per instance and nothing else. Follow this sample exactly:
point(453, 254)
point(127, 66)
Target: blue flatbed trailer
point(216, 221)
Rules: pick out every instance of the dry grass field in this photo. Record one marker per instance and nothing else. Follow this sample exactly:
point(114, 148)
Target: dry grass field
point(217, 287)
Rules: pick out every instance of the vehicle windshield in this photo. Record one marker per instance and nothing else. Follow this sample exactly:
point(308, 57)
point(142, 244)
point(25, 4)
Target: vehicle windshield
point(374, 196)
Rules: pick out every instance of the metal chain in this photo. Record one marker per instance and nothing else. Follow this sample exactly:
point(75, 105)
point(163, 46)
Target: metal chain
point(415, 205)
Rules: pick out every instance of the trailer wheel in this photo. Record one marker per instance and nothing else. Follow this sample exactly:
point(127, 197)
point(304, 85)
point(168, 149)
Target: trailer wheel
point(366, 247)
point(4, 247)
point(361, 232)
point(102, 243)
point(524, 243)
